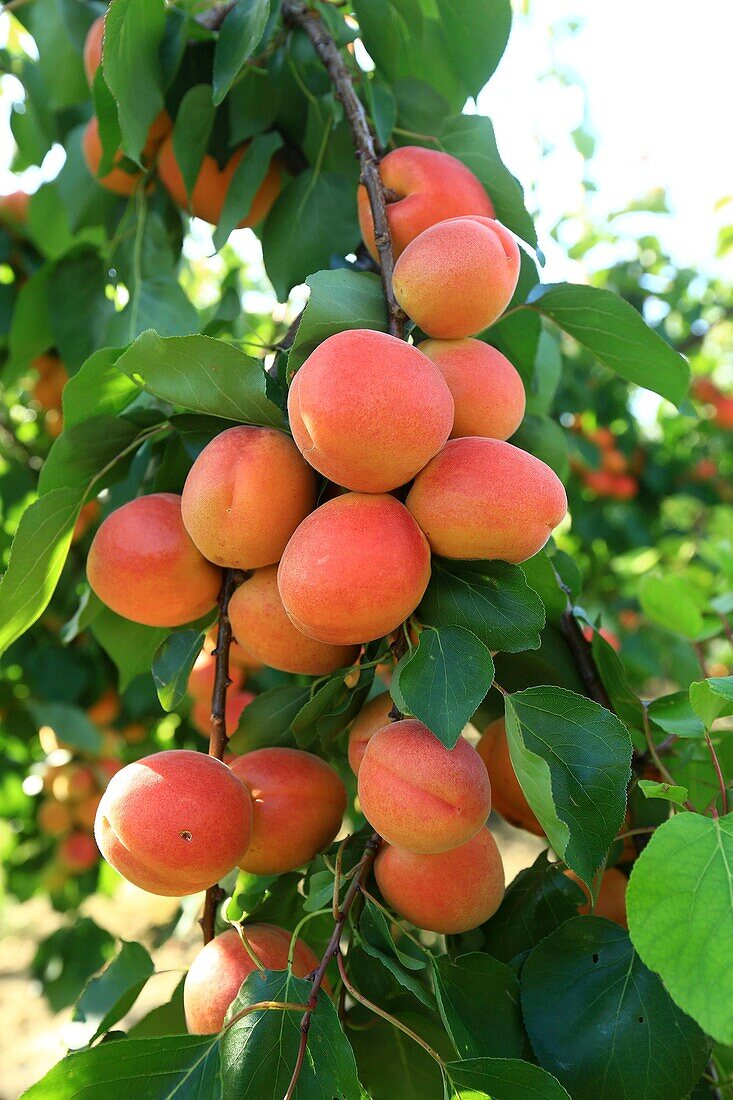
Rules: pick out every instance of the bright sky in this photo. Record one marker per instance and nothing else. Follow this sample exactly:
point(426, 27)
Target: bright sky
point(657, 76)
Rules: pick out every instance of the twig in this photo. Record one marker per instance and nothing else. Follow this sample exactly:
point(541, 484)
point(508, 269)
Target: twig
point(582, 654)
point(297, 14)
point(332, 951)
point(718, 772)
point(215, 16)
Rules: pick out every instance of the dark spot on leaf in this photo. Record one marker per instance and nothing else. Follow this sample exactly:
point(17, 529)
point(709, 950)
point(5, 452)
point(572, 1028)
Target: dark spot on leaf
point(595, 958)
point(641, 1019)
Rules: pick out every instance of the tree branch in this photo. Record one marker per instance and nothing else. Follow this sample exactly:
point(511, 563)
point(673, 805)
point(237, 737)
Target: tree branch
point(298, 14)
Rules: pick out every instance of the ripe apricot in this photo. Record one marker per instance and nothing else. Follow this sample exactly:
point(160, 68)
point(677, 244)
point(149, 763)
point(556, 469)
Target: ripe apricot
point(611, 902)
point(488, 391)
point(85, 813)
point(119, 179)
point(372, 717)
point(484, 498)
point(54, 818)
point(201, 680)
point(423, 187)
point(418, 794)
point(244, 496)
point(77, 853)
point(14, 207)
point(212, 185)
point(52, 377)
point(354, 569)
point(258, 618)
point(74, 783)
point(106, 708)
point(173, 823)
point(219, 969)
point(143, 564)
point(298, 803)
point(235, 705)
point(368, 410)
point(507, 797)
point(93, 49)
point(457, 277)
point(446, 892)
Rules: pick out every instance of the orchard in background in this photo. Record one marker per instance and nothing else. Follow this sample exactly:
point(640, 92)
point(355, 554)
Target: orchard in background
point(402, 554)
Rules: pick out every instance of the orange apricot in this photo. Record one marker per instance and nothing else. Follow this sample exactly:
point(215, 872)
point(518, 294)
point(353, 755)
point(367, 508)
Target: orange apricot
point(143, 564)
point(298, 803)
point(484, 499)
point(446, 892)
point(488, 391)
point(372, 717)
point(354, 569)
point(457, 277)
point(611, 902)
point(119, 179)
point(93, 49)
point(368, 410)
point(54, 818)
point(423, 187)
point(201, 679)
point(235, 705)
point(507, 797)
point(258, 618)
point(418, 794)
point(174, 823)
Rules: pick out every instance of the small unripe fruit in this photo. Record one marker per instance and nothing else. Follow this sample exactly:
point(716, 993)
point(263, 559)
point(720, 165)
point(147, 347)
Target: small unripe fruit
point(488, 391)
point(418, 794)
point(372, 717)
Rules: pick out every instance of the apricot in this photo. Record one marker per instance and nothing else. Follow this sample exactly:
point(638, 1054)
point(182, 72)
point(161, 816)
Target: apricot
point(372, 717)
point(235, 705)
point(93, 49)
point(484, 498)
point(423, 187)
point(106, 708)
point(488, 392)
point(418, 794)
point(354, 569)
point(143, 564)
point(219, 969)
point(457, 277)
point(368, 410)
point(507, 797)
point(298, 803)
point(724, 412)
point(173, 823)
point(54, 818)
point(244, 496)
point(74, 784)
point(611, 902)
point(201, 679)
point(85, 812)
point(258, 617)
point(89, 514)
point(119, 179)
point(77, 853)
point(212, 184)
point(446, 892)
point(14, 207)
point(52, 377)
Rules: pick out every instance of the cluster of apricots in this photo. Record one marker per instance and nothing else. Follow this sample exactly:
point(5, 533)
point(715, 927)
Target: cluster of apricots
point(48, 389)
point(209, 192)
point(616, 477)
point(705, 390)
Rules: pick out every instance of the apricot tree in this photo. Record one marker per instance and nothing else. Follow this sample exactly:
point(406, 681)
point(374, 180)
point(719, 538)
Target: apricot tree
point(347, 544)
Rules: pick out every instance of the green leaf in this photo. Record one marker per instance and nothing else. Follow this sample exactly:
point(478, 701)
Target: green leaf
point(476, 35)
point(402, 1068)
point(67, 958)
point(338, 300)
point(489, 598)
point(680, 908)
point(172, 665)
point(30, 328)
point(191, 133)
point(130, 645)
point(246, 181)
point(478, 999)
point(181, 1066)
point(542, 578)
point(133, 33)
point(166, 1019)
point(111, 994)
point(201, 374)
point(712, 698)
point(573, 761)
point(70, 724)
point(97, 389)
point(502, 1079)
point(379, 944)
point(240, 32)
point(603, 1023)
point(670, 601)
point(312, 223)
point(670, 791)
point(37, 557)
point(266, 721)
point(160, 301)
point(674, 714)
point(443, 680)
point(612, 331)
point(77, 288)
point(252, 105)
point(80, 455)
point(258, 1053)
point(624, 698)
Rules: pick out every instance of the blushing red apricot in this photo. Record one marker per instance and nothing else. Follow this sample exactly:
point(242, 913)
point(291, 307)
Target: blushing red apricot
point(93, 49)
point(237, 701)
point(354, 569)
point(212, 185)
point(611, 902)
point(447, 892)
point(457, 277)
point(244, 496)
point(507, 796)
point(368, 410)
point(484, 499)
point(119, 179)
point(174, 823)
point(488, 392)
point(201, 679)
point(85, 813)
point(372, 717)
point(426, 187)
point(418, 794)
point(219, 969)
point(143, 564)
point(298, 803)
point(78, 853)
point(259, 620)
